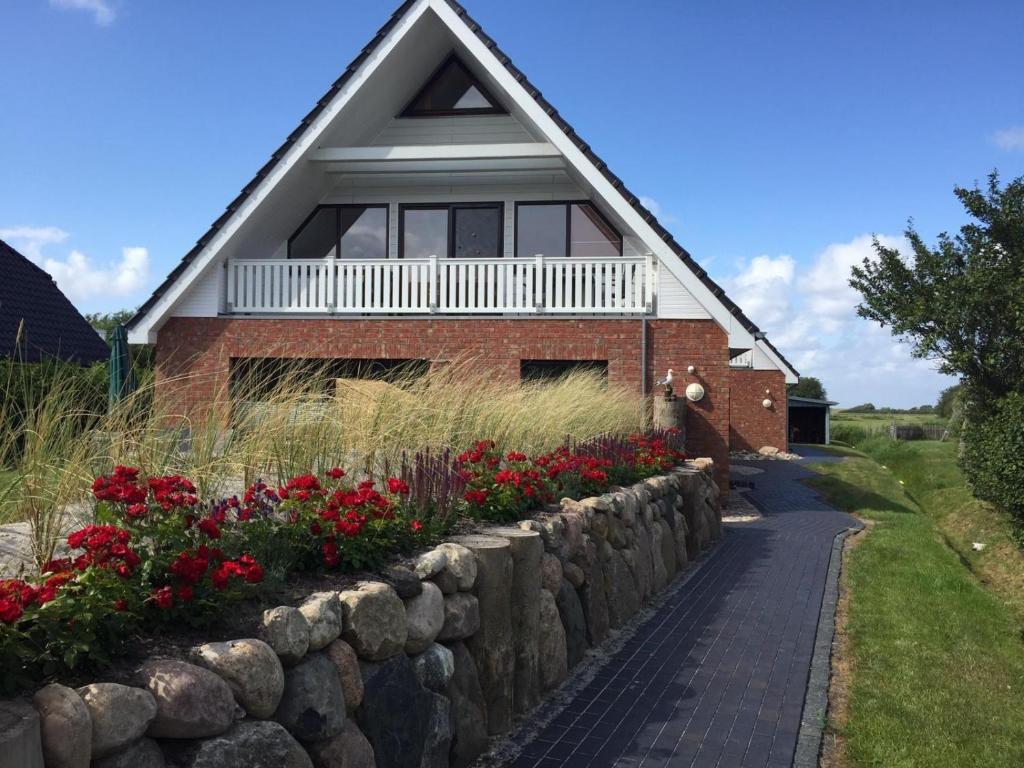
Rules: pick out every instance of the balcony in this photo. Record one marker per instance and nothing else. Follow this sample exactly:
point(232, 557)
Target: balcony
point(441, 286)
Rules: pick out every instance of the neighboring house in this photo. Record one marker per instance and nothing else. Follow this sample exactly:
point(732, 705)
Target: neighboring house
point(432, 205)
point(37, 321)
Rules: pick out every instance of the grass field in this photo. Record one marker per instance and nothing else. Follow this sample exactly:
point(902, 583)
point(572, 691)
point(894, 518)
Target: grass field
point(931, 662)
point(874, 423)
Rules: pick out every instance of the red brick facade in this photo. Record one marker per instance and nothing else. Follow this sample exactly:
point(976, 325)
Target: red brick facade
point(197, 352)
point(751, 425)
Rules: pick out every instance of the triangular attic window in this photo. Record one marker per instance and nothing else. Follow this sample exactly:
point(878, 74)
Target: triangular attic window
point(452, 90)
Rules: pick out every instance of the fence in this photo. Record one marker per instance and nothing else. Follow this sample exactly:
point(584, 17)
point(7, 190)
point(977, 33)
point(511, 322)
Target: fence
point(918, 432)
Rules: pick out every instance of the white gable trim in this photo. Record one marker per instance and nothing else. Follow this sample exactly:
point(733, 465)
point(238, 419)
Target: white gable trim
point(144, 331)
point(791, 375)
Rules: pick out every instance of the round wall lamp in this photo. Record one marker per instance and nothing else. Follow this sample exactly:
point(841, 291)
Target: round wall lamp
point(694, 392)
point(767, 402)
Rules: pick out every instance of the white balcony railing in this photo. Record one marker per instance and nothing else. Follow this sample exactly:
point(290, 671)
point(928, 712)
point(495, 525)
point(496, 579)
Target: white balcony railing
point(440, 286)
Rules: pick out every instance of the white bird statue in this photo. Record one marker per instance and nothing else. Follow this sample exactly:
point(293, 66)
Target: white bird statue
point(667, 383)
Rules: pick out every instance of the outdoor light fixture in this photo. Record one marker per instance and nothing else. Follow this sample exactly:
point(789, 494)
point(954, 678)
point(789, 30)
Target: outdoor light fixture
point(691, 369)
point(694, 392)
point(767, 402)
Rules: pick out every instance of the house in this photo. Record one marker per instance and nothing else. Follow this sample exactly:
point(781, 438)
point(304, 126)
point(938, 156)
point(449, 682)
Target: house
point(37, 322)
point(810, 420)
point(433, 204)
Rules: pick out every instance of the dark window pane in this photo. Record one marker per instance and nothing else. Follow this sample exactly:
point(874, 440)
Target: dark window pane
point(364, 233)
point(318, 237)
point(453, 89)
point(478, 233)
point(591, 235)
point(425, 233)
point(540, 229)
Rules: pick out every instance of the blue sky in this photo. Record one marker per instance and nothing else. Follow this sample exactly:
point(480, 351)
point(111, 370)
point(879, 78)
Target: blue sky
point(772, 138)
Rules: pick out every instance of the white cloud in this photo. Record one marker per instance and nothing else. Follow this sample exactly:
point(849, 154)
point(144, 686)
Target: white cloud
point(809, 312)
point(1009, 138)
point(102, 11)
point(660, 213)
point(81, 279)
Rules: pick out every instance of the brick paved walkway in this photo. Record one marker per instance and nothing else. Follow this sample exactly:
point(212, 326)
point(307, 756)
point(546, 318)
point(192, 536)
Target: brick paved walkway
point(717, 676)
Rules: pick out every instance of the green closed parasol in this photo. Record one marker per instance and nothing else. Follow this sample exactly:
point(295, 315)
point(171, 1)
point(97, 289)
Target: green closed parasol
point(122, 375)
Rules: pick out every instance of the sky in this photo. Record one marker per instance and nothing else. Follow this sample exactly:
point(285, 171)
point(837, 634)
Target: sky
point(774, 139)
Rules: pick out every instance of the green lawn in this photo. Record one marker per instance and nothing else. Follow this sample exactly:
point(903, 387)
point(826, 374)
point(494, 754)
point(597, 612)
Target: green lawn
point(937, 661)
point(877, 423)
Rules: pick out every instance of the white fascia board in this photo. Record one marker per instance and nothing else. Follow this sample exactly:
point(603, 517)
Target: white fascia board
point(791, 375)
point(144, 332)
point(435, 152)
point(582, 165)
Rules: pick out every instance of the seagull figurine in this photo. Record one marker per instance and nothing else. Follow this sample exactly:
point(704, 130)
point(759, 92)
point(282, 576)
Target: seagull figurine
point(667, 383)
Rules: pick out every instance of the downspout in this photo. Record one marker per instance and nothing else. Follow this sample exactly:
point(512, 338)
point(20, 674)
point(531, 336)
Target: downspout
point(648, 308)
point(643, 355)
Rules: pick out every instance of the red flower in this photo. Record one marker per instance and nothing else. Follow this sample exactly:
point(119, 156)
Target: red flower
point(209, 527)
point(416, 526)
point(335, 473)
point(120, 605)
point(136, 511)
point(397, 486)
point(476, 496)
point(330, 552)
point(163, 597)
point(185, 593)
point(516, 456)
point(254, 573)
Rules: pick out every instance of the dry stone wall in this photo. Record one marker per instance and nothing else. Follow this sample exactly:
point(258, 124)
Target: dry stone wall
point(417, 670)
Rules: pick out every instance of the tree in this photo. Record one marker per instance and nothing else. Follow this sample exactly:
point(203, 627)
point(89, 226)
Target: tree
point(947, 401)
point(865, 408)
point(808, 386)
point(105, 322)
point(962, 302)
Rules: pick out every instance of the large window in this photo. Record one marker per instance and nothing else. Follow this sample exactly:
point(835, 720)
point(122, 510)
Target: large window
point(564, 229)
point(459, 230)
point(452, 90)
point(342, 231)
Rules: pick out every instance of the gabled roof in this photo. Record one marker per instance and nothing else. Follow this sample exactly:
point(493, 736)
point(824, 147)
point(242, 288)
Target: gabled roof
point(633, 200)
point(52, 328)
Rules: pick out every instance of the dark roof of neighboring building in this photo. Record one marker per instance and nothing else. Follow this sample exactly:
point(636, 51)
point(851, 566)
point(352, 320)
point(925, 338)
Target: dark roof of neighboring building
point(560, 121)
point(810, 401)
point(52, 328)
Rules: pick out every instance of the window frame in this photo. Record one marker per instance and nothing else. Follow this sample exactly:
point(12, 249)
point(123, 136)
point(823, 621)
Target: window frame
point(567, 204)
point(494, 109)
point(450, 208)
point(338, 208)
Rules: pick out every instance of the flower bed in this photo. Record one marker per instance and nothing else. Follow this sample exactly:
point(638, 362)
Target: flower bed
point(157, 555)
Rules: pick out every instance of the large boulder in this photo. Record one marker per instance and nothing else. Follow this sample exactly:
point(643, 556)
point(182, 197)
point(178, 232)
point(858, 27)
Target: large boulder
point(461, 617)
point(623, 600)
point(437, 746)
point(553, 664)
point(250, 668)
point(65, 727)
point(431, 563)
point(349, 749)
point(405, 583)
point(19, 736)
point(668, 549)
point(592, 593)
point(551, 572)
point(120, 714)
point(323, 614)
point(286, 631)
point(144, 753)
point(250, 743)
point(313, 706)
point(191, 702)
point(461, 564)
point(434, 667)
point(424, 618)
point(396, 712)
point(347, 663)
point(469, 714)
point(573, 622)
point(493, 646)
point(374, 621)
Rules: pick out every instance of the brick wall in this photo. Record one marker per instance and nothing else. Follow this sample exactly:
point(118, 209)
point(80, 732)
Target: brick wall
point(194, 355)
point(751, 425)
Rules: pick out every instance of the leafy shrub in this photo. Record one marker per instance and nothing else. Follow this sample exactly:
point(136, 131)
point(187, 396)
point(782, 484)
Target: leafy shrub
point(993, 454)
point(848, 433)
